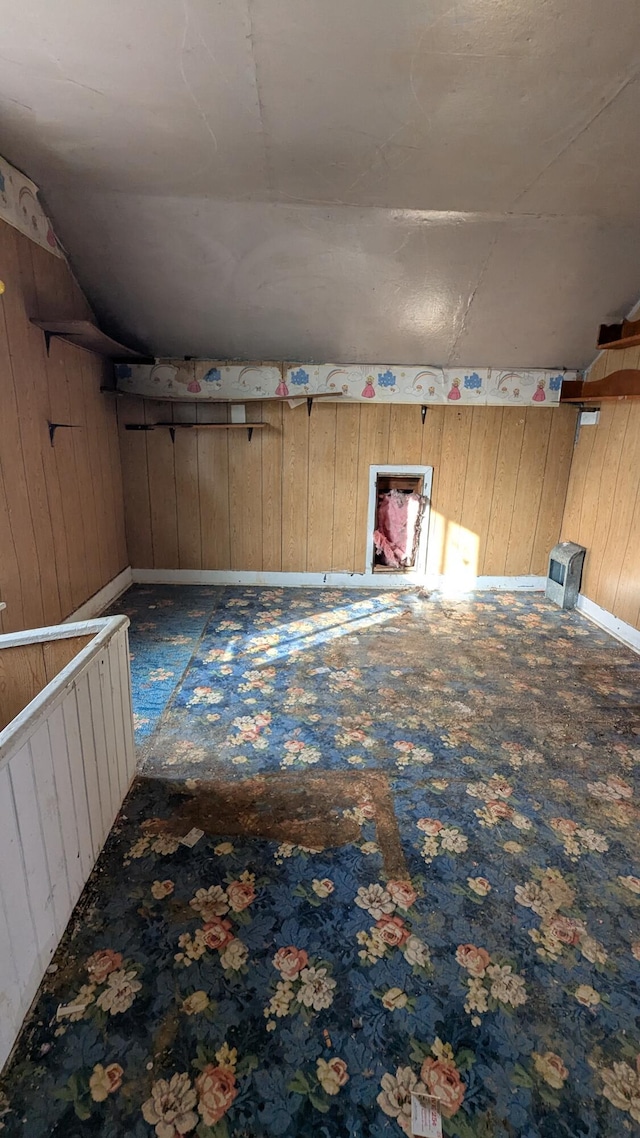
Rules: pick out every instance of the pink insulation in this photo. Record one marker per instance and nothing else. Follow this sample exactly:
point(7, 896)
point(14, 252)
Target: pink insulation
point(397, 521)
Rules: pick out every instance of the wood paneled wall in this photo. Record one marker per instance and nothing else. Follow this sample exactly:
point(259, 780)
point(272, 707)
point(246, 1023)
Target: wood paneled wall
point(603, 499)
point(295, 498)
point(26, 669)
point(61, 513)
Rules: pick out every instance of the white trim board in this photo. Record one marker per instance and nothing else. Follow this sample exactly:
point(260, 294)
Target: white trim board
point(103, 598)
point(617, 628)
point(331, 580)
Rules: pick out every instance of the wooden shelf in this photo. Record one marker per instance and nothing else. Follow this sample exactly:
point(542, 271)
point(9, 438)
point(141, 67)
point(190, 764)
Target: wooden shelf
point(173, 427)
point(618, 385)
point(86, 335)
point(619, 336)
point(293, 400)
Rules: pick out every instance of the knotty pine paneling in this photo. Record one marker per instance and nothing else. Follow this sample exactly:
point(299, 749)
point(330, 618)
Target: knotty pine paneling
point(295, 498)
point(603, 499)
point(62, 530)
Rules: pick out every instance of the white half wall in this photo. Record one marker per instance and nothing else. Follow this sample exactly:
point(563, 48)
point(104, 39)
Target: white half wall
point(66, 763)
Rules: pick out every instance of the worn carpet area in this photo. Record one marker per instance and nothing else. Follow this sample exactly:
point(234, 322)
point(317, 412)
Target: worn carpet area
point(418, 869)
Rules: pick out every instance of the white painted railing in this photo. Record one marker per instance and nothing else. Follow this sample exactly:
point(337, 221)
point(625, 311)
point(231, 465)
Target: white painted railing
point(66, 762)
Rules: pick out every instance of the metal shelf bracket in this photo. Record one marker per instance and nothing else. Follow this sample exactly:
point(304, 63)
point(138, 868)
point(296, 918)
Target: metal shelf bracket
point(53, 427)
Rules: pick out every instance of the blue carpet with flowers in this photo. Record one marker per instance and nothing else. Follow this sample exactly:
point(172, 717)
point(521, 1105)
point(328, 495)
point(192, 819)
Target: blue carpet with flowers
point(381, 843)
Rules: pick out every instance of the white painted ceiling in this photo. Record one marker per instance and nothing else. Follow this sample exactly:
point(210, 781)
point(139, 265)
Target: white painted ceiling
point(358, 180)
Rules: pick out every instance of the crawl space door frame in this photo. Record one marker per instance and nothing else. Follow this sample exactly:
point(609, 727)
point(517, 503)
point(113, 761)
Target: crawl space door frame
point(424, 472)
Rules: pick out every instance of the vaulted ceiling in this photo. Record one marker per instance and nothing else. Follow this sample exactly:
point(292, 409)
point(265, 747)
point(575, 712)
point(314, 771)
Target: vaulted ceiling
point(392, 180)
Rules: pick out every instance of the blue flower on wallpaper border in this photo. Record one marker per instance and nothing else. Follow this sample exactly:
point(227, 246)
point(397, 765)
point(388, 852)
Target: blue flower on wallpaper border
point(386, 378)
point(123, 371)
point(299, 377)
point(472, 381)
point(212, 376)
point(555, 383)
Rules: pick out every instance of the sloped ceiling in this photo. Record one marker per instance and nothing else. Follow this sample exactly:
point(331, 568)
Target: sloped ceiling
point(393, 180)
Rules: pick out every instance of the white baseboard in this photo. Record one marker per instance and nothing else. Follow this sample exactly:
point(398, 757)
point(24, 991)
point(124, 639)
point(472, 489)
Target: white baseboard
point(529, 583)
point(103, 598)
point(331, 580)
point(622, 631)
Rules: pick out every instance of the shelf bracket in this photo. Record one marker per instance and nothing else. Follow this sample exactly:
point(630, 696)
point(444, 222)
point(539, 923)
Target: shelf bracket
point(249, 433)
point(423, 413)
point(172, 433)
point(53, 427)
point(47, 344)
point(309, 404)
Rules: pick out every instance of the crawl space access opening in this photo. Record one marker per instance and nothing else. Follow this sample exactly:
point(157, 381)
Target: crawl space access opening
point(400, 508)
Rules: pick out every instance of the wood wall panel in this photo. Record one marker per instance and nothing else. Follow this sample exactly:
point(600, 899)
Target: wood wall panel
point(295, 489)
point(245, 493)
point(602, 510)
point(212, 491)
point(162, 489)
point(295, 498)
point(26, 669)
point(554, 488)
point(373, 450)
point(597, 503)
point(486, 426)
point(67, 474)
point(33, 411)
point(62, 529)
point(430, 455)
point(135, 476)
point(405, 435)
point(505, 482)
point(603, 504)
point(272, 487)
point(345, 493)
point(450, 549)
point(529, 496)
point(321, 488)
point(187, 503)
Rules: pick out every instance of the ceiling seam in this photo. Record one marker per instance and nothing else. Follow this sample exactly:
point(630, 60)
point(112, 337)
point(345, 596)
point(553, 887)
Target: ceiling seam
point(623, 86)
point(463, 324)
point(194, 98)
point(261, 112)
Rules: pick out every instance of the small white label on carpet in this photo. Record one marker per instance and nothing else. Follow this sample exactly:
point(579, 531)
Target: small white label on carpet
point(70, 1009)
point(192, 837)
point(426, 1120)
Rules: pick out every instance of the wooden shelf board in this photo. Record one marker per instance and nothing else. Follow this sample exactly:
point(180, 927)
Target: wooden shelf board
point(626, 342)
point(86, 335)
point(173, 427)
point(291, 399)
point(196, 426)
point(619, 336)
point(623, 384)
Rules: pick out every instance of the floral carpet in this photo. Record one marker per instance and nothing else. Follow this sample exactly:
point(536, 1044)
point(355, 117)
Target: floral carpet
point(381, 843)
